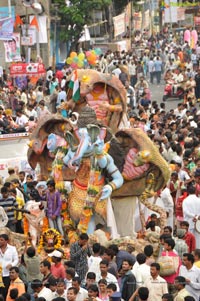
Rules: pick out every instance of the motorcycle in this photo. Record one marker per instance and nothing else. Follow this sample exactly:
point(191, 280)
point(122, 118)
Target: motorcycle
point(169, 93)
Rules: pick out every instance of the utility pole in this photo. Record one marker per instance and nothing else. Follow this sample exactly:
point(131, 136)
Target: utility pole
point(55, 36)
point(9, 8)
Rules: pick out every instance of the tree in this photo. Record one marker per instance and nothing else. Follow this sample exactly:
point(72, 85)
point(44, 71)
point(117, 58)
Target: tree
point(74, 15)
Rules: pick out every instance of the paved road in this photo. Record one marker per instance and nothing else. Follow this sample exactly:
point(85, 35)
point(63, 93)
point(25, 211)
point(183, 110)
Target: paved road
point(157, 94)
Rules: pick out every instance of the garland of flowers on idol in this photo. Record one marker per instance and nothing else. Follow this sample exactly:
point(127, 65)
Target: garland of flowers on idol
point(45, 225)
point(93, 193)
point(49, 239)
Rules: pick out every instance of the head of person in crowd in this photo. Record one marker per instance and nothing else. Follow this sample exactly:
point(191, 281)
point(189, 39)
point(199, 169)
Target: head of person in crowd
point(30, 252)
point(188, 260)
point(168, 230)
point(3, 240)
point(96, 249)
point(83, 239)
point(148, 251)
point(51, 185)
point(54, 299)
point(76, 282)
point(56, 256)
point(70, 273)
point(151, 225)
point(127, 265)
point(52, 284)
point(155, 270)
point(102, 284)
point(60, 288)
point(104, 267)
point(4, 192)
point(108, 255)
point(14, 273)
point(69, 264)
point(114, 248)
point(163, 237)
point(22, 176)
point(141, 258)
point(14, 293)
point(93, 291)
point(197, 255)
point(169, 244)
point(45, 267)
point(167, 297)
point(19, 112)
point(11, 170)
point(36, 285)
point(189, 298)
point(180, 283)
point(90, 279)
point(111, 289)
point(143, 293)
point(72, 293)
point(184, 225)
point(27, 296)
point(154, 218)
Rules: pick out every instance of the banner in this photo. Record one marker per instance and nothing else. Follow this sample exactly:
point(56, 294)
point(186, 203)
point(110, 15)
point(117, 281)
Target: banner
point(30, 33)
point(170, 11)
point(12, 49)
point(119, 24)
point(4, 12)
point(181, 14)
point(137, 17)
point(32, 69)
point(6, 28)
point(197, 21)
point(42, 22)
point(146, 19)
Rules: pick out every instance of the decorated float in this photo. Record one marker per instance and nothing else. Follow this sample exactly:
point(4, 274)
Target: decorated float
point(110, 167)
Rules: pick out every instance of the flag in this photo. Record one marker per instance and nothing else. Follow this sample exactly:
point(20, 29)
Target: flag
point(74, 85)
point(34, 22)
point(18, 21)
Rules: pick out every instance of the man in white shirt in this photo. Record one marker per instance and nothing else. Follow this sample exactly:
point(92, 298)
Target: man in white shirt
point(61, 290)
point(168, 205)
point(21, 119)
point(8, 259)
point(105, 275)
point(157, 285)
point(191, 211)
point(191, 274)
point(82, 293)
point(41, 291)
point(143, 270)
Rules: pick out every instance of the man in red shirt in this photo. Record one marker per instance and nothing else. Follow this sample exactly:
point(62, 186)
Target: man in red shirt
point(189, 237)
point(57, 268)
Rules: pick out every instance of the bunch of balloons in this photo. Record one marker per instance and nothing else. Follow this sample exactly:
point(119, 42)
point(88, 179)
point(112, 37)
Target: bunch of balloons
point(83, 59)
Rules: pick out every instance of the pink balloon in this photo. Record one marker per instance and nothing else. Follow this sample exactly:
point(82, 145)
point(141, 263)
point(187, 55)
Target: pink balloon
point(194, 36)
point(187, 36)
point(88, 53)
point(74, 65)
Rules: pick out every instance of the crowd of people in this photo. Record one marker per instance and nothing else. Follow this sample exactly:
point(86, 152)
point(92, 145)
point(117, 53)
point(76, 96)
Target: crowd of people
point(101, 272)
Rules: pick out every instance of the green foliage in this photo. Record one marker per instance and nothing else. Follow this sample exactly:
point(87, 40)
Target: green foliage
point(75, 16)
point(119, 5)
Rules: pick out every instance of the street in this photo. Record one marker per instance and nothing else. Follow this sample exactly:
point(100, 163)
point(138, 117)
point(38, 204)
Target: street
point(157, 94)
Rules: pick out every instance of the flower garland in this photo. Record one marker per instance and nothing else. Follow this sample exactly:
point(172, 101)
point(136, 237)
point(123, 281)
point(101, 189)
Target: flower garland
point(50, 239)
point(92, 194)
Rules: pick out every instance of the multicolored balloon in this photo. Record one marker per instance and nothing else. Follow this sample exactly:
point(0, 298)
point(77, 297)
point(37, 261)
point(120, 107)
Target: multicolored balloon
point(82, 59)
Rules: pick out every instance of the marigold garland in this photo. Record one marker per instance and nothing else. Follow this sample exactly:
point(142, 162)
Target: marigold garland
point(50, 234)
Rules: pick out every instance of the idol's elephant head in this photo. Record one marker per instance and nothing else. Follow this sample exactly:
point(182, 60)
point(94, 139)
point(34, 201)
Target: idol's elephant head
point(91, 141)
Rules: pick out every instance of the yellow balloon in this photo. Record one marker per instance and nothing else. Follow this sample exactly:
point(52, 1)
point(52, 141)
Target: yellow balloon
point(69, 60)
point(81, 56)
point(73, 54)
